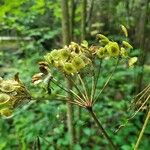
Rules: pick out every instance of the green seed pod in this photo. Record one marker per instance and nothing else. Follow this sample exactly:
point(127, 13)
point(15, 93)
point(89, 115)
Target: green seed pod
point(48, 58)
point(101, 37)
point(1, 80)
point(127, 45)
point(6, 112)
point(69, 68)
point(113, 49)
point(104, 42)
point(84, 44)
point(78, 63)
point(73, 54)
point(7, 86)
point(55, 54)
point(132, 61)
point(101, 52)
point(124, 29)
point(4, 98)
point(59, 64)
point(64, 54)
point(12, 94)
point(124, 52)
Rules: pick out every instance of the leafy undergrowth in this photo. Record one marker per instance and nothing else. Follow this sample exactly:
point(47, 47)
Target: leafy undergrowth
point(45, 119)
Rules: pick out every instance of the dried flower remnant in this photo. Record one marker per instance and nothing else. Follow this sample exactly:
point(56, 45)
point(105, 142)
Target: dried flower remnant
point(37, 78)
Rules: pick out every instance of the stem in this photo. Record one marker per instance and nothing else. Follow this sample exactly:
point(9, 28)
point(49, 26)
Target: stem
point(77, 88)
point(93, 81)
point(142, 131)
point(83, 85)
point(92, 89)
point(140, 107)
point(101, 128)
point(96, 81)
point(107, 81)
point(145, 89)
point(141, 94)
point(69, 91)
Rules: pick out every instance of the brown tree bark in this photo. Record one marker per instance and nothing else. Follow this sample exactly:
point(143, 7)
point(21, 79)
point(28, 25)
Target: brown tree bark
point(66, 41)
point(65, 22)
point(89, 16)
point(83, 19)
point(83, 33)
point(140, 41)
point(72, 16)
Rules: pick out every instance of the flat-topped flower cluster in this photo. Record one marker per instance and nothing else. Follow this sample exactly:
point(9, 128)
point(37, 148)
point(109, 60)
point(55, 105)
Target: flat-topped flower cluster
point(73, 58)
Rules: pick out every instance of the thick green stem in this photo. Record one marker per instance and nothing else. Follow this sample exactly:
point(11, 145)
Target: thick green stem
point(102, 130)
point(142, 131)
point(70, 117)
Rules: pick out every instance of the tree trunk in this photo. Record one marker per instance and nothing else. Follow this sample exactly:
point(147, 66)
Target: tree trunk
point(72, 16)
point(66, 41)
point(65, 22)
point(83, 20)
point(83, 32)
point(89, 16)
point(140, 41)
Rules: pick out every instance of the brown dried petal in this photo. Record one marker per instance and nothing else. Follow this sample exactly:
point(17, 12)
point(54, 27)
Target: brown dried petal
point(43, 63)
point(43, 69)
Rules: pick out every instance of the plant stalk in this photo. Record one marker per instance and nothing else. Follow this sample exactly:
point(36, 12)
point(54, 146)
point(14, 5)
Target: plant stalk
point(102, 130)
point(70, 117)
point(142, 131)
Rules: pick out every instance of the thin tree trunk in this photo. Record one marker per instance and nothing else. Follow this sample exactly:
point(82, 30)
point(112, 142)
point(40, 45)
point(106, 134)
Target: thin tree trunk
point(66, 41)
point(140, 40)
point(110, 15)
point(65, 22)
point(89, 16)
point(72, 16)
point(83, 32)
point(83, 19)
